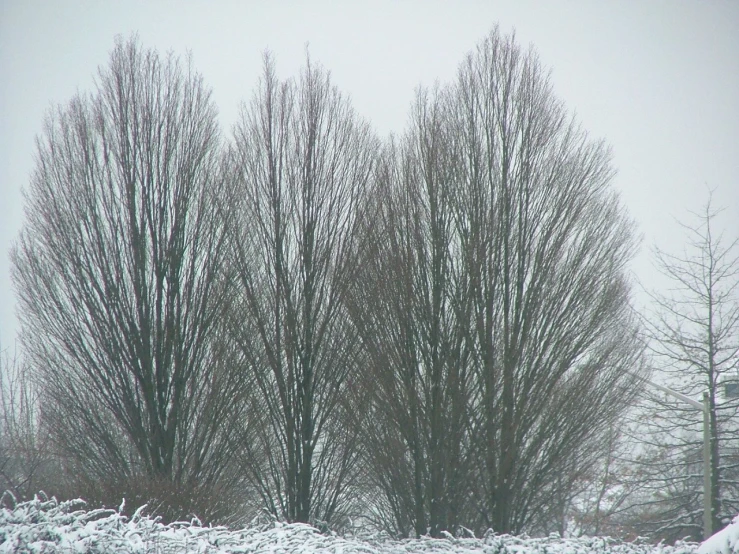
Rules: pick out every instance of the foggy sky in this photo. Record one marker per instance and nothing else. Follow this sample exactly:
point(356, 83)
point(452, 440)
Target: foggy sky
point(658, 80)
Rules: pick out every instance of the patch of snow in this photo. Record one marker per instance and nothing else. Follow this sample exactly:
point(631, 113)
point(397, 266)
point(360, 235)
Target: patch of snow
point(725, 541)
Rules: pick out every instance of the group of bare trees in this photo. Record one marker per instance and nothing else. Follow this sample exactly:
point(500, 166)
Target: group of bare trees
point(651, 482)
point(424, 334)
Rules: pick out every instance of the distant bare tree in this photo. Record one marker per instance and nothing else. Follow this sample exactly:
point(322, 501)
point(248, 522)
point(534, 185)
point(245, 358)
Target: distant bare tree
point(601, 503)
point(694, 338)
point(26, 466)
point(118, 276)
point(300, 166)
point(495, 304)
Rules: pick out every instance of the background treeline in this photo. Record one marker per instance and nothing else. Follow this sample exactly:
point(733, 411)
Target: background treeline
point(301, 320)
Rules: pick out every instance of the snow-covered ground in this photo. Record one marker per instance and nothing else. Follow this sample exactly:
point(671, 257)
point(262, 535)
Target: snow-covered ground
point(48, 526)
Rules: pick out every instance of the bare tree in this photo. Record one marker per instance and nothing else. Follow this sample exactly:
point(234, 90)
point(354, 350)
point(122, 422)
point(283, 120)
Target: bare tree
point(694, 338)
point(547, 250)
point(118, 276)
point(410, 308)
point(499, 273)
point(300, 165)
point(26, 465)
point(602, 502)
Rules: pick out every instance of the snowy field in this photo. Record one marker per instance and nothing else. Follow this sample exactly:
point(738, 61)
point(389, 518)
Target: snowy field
point(48, 526)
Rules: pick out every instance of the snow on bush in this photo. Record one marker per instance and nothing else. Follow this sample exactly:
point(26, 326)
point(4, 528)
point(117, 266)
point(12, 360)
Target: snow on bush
point(725, 541)
point(49, 526)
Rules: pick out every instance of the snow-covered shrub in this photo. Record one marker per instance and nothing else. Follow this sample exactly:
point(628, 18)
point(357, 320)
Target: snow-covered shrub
point(49, 526)
point(725, 541)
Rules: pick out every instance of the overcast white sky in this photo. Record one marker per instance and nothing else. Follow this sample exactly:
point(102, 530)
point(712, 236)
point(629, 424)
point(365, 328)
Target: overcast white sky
point(659, 80)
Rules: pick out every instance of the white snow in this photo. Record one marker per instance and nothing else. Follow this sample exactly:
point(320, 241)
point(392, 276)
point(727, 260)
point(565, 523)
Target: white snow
point(48, 526)
point(725, 541)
